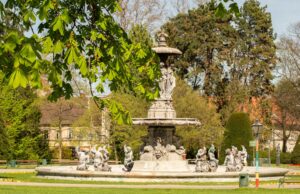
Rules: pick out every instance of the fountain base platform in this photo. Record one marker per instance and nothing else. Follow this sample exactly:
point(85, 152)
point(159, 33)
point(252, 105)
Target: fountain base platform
point(117, 175)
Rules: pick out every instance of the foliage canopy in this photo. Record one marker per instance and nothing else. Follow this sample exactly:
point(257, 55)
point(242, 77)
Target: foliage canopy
point(80, 35)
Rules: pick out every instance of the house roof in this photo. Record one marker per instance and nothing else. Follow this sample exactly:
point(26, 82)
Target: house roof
point(65, 111)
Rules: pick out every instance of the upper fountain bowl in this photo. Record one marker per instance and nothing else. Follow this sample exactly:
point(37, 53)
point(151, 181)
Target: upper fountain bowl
point(165, 121)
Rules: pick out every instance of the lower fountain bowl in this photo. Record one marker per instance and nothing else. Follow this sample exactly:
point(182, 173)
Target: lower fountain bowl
point(142, 175)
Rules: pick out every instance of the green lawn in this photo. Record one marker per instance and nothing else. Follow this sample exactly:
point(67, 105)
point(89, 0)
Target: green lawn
point(56, 190)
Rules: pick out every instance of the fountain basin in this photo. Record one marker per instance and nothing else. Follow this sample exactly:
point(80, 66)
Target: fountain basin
point(117, 175)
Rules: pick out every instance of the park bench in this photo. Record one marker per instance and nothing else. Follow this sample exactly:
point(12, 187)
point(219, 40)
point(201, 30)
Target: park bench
point(283, 181)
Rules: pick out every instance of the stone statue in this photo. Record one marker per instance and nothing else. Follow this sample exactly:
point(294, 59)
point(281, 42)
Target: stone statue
point(83, 159)
point(105, 154)
point(128, 160)
point(278, 155)
point(229, 161)
point(159, 150)
point(244, 155)
point(204, 165)
point(211, 153)
point(201, 154)
point(167, 83)
point(234, 150)
point(233, 160)
point(98, 158)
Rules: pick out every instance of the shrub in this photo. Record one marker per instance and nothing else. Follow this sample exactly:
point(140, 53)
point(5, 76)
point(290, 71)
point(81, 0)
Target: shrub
point(285, 158)
point(237, 133)
point(295, 158)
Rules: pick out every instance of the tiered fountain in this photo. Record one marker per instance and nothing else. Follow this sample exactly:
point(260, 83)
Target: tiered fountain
point(163, 159)
point(160, 152)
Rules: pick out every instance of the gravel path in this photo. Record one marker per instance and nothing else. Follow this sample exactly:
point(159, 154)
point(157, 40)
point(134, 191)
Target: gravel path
point(269, 186)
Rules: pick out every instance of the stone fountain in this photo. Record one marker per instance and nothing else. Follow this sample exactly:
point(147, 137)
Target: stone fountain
point(160, 152)
point(163, 158)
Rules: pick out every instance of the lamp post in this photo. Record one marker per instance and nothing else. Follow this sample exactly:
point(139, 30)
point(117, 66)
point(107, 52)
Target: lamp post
point(256, 127)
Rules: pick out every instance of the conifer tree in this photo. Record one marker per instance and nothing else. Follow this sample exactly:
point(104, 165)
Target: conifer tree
point(256, 49)
point(237, 132)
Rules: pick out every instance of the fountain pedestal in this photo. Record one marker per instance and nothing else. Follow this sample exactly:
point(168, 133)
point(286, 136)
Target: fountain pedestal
point(166, 133)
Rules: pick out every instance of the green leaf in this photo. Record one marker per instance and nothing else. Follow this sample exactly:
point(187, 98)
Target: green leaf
point(29, 15)
point(141, 53)
point(58, 47)
point(18, 78)
point(72, 55)
point(65, 16)
point(9, 47)
point(48, 45)
point(83, 66)
point(111, 75)
point(58, 25)
point(28, 53)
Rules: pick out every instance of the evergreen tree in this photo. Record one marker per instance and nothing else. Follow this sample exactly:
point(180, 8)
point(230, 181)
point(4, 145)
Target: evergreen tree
point(21, 124)
point(296, 152)
point(256, 49)
point(206, 41)
point(237, 132)
point(230, 59)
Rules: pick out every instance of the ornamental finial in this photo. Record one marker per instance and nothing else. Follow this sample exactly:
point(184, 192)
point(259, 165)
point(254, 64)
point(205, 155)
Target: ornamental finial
point(161, 35)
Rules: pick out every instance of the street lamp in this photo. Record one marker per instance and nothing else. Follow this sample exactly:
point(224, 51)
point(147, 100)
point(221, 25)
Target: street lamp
point(257, 128)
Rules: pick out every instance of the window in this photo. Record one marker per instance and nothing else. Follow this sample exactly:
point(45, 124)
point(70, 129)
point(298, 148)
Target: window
point(46, 135)
point(70, 135)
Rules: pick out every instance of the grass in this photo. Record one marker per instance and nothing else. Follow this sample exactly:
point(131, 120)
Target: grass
point(56, 190)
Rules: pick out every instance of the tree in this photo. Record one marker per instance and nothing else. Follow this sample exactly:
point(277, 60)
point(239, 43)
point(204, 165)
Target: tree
point(127, 134)
point(147, 13)
point(20, 116)
point(286, 118)
point(189, 104)
point(256, 49)
point(81, 35)
point(288, 52)
point(296, 152)
point(237, 132)
point(229, 59)
point(201, 36)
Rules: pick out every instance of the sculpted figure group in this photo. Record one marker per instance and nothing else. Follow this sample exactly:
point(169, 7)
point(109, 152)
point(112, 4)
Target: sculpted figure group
point(99, 159)
point(161, 152)
point(235, 160)
point(206, 160)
